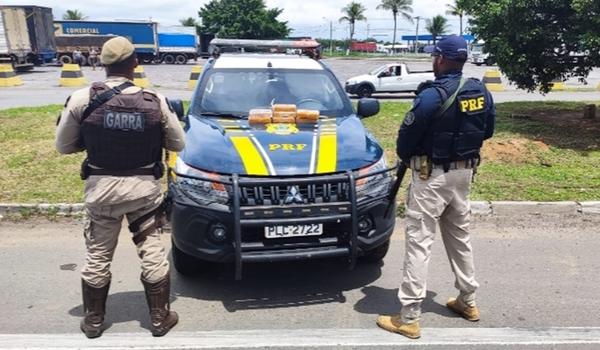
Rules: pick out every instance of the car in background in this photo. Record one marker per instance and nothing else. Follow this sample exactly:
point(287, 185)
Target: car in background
point(389, 78)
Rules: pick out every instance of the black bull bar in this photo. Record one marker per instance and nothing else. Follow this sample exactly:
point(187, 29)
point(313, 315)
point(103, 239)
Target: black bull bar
point(237, 183)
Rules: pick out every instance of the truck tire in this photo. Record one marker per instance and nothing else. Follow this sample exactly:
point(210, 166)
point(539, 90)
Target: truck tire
point(65, 59)
point(377, 254)
point(181, 59)
point(185, 264)
point(364, 91)
point(169, 59)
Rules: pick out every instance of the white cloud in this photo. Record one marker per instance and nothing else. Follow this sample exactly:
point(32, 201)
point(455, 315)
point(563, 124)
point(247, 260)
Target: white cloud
point(306, 17)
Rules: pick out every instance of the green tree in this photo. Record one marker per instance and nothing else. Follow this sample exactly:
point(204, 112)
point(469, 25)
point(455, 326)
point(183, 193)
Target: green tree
point(398, 7)
point(188, 22)
point(458, 10)
point(353, 12)
point(74, 15)
point(437, 26)
point(242, 19)
point(537, 42)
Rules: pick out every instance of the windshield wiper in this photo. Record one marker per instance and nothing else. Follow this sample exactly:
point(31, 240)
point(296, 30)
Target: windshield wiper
point(222, 115)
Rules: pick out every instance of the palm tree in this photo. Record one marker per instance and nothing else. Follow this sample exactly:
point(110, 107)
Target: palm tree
point(437, 26)
point(402, 7)
point(74, 15)
point(353, 12)
point(459, 10)
point(188, 22)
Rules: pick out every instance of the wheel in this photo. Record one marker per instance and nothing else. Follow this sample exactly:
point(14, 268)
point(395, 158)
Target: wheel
point(184, 264)
point(181, 59)
point(65, 59)
point(169, 59)
point(377, 254)
point(364, 91)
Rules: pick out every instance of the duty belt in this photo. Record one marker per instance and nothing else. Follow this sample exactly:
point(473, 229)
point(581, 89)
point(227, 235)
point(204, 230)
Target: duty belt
point(415, 164)
point(157, 170)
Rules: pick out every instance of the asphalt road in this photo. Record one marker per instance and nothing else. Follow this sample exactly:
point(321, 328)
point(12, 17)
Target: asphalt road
point(41, 85)
point(538, 275)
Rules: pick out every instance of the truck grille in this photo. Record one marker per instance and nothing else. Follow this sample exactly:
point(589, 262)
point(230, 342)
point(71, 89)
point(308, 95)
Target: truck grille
point(294, 194)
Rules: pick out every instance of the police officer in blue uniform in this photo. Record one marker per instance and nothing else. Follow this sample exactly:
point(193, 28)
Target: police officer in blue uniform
point(440, 141)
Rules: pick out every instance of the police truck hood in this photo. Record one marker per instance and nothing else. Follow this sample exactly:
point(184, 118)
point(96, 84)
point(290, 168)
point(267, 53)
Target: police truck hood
point(230, 145)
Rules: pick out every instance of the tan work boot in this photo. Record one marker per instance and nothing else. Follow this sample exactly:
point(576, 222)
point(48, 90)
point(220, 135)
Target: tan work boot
point(394, 324)
point(157, 296)
point(470, 313)
point(94, 309)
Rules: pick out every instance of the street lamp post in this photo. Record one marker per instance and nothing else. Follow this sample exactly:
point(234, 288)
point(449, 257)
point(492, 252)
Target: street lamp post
point(330, 35)
point(417, 35)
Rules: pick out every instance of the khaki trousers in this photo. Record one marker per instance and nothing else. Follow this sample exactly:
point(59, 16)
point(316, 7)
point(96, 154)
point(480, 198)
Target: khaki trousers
point(441, 200)
point(108, 200)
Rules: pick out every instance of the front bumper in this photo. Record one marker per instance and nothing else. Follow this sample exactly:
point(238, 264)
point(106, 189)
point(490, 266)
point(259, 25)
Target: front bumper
point(193, 224)
point(352, 89)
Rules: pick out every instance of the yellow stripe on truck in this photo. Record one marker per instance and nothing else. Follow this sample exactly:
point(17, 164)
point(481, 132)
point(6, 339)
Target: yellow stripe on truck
point(253, 161)
point(327, 157)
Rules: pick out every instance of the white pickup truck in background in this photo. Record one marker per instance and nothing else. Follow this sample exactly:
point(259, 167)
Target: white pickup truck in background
point(389, 78)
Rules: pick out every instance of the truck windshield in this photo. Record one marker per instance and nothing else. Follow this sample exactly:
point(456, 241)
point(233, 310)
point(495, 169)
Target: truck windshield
point(234, 92)
point(477, 49)
point(378, 70)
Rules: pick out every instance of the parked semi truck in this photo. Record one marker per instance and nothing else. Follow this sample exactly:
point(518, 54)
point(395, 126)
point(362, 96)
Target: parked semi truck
point(26, 36)
point(67, 44)
point(143, 34)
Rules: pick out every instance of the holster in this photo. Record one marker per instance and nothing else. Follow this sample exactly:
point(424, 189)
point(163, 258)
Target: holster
point(160, 215)
point(85, 171)
point(424, 168)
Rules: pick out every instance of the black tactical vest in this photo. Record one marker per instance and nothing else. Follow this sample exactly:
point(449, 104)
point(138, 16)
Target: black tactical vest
point(125, 132)
point(458, 134)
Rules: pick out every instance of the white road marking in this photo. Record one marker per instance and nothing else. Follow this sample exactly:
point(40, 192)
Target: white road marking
point(307, 338)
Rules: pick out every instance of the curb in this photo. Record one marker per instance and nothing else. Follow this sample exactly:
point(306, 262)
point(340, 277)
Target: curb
point(506, 208)
point(58, 209)
point(479, 208)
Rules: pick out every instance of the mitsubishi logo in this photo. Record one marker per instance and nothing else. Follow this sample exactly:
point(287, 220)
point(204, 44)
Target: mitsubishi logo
point(294, 196)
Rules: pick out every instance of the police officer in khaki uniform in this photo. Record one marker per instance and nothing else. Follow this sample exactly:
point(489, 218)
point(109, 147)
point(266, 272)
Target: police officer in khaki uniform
point(440, 140)
point(123, 129)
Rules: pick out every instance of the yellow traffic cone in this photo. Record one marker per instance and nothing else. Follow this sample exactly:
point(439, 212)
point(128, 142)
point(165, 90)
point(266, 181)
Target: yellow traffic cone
point(8, 77)
point(139, 77)
point(194, 76)
point(493, 80)
point(71, 76)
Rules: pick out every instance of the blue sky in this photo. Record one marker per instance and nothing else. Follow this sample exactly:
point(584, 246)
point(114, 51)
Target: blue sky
point(305, 17)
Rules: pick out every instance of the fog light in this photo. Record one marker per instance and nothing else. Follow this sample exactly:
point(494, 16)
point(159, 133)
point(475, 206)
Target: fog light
point(365, 224)
point(219, 233)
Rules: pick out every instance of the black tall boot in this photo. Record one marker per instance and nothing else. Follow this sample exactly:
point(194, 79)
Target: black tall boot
point(94, 309)
point(157, 296)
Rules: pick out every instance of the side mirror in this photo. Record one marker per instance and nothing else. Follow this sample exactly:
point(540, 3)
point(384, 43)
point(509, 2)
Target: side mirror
point(382, 75)
point(367, 107)
point(177, 107)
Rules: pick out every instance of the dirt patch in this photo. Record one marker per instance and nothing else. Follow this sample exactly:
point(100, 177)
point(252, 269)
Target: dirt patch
point(513, 151)
point(565, 119)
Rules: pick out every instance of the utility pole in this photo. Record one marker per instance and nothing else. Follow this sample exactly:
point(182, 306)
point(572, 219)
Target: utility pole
point(368, 30)
point(331, 38)
point(417, 35)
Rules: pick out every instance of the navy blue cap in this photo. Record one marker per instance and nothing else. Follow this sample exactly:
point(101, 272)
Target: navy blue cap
point(452, 47)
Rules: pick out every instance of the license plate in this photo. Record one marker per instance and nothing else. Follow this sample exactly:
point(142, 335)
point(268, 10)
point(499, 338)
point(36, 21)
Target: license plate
point(293, 231)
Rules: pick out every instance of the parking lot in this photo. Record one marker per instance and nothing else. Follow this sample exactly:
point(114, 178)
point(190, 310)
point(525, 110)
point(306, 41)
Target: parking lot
point(535, 272)
point(40, 86)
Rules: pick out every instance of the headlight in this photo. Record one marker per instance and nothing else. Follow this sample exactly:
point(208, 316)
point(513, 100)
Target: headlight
point(375, 185)
point(202, 192)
